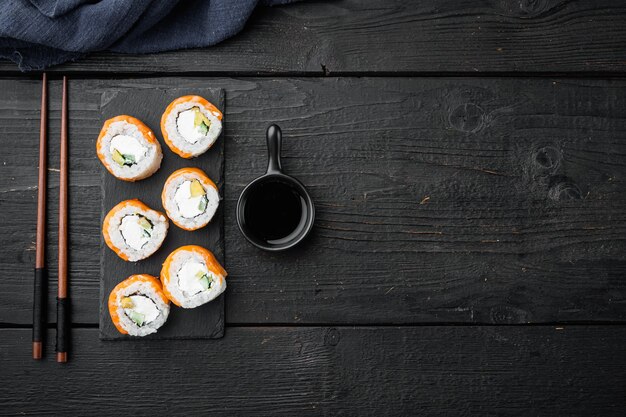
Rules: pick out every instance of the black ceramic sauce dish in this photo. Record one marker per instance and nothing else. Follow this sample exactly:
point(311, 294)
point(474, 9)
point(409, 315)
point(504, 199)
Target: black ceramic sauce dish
point(275, 212)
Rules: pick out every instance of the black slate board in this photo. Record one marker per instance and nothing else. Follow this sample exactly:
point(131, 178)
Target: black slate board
point(204, 322)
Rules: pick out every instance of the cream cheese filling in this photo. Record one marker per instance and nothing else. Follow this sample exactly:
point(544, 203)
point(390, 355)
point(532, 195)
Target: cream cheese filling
point(188, 206)
point(136, 230)
point(129, 148)
point(143, 309)
point(194, 277)
point(186, 124)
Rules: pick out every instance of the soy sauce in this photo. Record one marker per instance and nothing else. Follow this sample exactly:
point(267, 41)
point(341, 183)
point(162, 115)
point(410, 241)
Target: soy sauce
point(275, 212)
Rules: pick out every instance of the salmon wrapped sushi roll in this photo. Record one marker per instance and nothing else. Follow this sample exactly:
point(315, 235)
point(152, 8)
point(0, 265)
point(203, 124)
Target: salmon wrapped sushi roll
point(190, 198)
point(191, 276)
point(138, 306)
point(133, 230)
point(128, 149)
point(191, 125)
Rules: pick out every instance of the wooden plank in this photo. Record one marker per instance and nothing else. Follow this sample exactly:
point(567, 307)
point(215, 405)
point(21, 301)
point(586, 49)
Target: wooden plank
point(388, 371)
point(438, 200)
point(361, 36)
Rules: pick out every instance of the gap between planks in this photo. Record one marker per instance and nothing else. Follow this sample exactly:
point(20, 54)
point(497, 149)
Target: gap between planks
point(556, 325)
point(94, 75)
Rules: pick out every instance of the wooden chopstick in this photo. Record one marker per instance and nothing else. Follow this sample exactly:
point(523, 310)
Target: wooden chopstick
point(62, 297)
point(41, 277)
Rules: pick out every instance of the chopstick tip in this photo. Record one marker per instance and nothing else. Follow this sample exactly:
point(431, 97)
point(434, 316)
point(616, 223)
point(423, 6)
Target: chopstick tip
point(37, 348)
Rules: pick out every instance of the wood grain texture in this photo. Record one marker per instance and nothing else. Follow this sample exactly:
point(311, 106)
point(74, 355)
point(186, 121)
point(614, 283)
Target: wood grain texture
point(318, 371)
point(438, 200)
point(434, 36)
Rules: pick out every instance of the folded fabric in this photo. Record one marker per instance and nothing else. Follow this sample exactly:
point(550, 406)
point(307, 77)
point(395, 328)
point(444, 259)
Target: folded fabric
point(36, 34)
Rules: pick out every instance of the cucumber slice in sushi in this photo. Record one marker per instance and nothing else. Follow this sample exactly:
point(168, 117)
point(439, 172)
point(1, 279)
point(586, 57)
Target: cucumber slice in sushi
point(138, 318)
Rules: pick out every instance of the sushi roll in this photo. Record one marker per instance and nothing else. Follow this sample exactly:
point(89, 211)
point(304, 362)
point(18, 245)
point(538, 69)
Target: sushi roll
point(191, 125)
point(190, 198)
point(192, 276)
point(138, 306)
point(133, 230)
point(128, 149)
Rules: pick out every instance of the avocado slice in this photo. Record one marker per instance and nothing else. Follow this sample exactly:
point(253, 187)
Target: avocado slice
point(200, 118)
point(127, 302)
point(201, 121)
point(145, 223)
point(196, 189)
point(138, 318)
point(117, 157)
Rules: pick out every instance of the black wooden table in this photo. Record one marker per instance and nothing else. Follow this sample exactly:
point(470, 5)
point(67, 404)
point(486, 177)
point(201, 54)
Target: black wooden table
point(468, 163)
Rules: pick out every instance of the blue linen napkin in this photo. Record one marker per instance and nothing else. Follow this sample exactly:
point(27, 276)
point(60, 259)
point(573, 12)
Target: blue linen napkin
point(36, 34)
